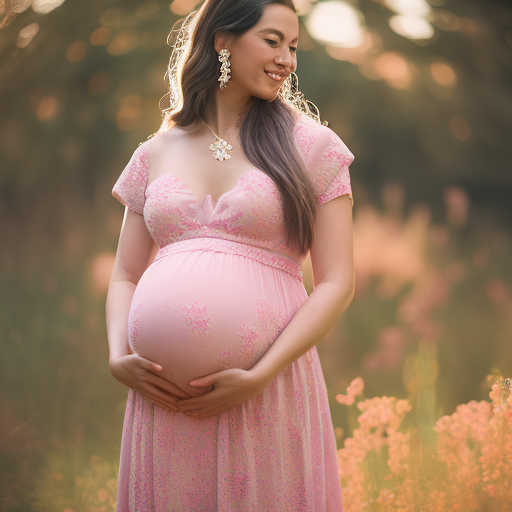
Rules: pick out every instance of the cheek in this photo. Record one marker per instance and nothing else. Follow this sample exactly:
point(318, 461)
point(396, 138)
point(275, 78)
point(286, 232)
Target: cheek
point(249, 68)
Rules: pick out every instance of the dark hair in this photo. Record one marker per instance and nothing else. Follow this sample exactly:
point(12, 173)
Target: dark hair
point(267, 128)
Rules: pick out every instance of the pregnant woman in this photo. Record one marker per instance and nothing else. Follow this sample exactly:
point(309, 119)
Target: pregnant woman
point(208, 320)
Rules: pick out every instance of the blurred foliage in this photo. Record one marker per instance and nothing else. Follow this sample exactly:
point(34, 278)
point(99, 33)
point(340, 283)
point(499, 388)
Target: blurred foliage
point(429, 121)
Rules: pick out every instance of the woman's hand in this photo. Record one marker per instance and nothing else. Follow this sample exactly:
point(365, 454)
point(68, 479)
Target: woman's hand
point(141, 375)
point(231, 387)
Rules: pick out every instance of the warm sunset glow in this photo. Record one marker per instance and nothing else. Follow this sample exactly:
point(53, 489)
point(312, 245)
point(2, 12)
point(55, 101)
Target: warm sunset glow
point(182, 7)
point(394, 68)
point(412, 27)
point(112, 17)
point(443, 74)
point(45, 6)
point(76, 51)
point(123, 43)
point(336, 23)
point(100, 36)
point(390, 248)
point(100, 271)
point(129, 112)
point(46, 108)
point(303, 6)
point(371, 41)
point(26, 35)
point(409, 7)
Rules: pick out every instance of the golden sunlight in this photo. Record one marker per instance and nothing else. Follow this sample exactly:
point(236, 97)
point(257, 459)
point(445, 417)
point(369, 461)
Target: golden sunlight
point(45, 6)
point(412, 27)
point(336, 23)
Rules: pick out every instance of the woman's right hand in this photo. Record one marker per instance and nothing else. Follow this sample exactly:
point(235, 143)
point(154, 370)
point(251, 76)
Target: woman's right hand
point(141, 375)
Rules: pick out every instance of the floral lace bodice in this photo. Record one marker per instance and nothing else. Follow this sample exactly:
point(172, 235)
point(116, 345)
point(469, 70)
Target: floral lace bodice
point(250, 212)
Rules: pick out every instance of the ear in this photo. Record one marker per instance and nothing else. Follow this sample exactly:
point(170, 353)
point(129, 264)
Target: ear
point(221, 41)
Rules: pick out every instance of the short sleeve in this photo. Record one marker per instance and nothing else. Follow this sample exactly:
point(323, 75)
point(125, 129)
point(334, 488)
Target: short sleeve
point(329, 167)
point(130, 188)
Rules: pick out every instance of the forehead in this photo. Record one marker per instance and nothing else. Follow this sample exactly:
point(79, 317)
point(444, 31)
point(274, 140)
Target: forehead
point(280, 20)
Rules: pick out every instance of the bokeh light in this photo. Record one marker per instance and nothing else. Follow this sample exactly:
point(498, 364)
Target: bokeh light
point(27, 34)
point(336, 23)
point(412, 27)
point(100, 36)
point(409, 7)
point(76, 51)
point(47, 108)
point(395, 69)
point(443, 74)
point(45, 6)
point(123, 43)
point(129, 112)
point(421, 93)
point(182, 7)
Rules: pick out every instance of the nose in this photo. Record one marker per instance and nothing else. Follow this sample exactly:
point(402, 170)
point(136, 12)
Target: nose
point(285, 58)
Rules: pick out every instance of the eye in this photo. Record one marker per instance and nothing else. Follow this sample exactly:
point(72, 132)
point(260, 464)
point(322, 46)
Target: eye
point(271, 41)
point(293, 49)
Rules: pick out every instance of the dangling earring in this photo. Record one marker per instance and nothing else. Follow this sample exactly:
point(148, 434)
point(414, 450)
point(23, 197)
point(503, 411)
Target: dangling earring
point(225, 68)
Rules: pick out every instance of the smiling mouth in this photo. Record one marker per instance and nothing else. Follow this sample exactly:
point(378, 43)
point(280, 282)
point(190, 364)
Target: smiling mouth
point(274, 76)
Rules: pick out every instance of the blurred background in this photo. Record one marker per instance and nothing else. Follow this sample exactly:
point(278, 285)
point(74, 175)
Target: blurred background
point(421, 93)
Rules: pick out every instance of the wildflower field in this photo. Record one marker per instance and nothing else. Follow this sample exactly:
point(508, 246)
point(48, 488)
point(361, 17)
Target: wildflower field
point(427, 328)
point(417, 369)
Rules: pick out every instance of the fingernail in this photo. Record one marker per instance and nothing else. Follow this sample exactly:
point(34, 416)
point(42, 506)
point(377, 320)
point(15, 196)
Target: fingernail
point(158, 367)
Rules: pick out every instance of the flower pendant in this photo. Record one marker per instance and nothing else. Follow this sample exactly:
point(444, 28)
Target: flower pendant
point(221, 149)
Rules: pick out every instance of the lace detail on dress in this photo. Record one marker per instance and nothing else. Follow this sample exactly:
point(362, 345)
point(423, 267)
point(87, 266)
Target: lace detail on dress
point(250, 213)
point(305, 137)
point(331, 174)
point(134, 327)
point(198, 322)
point(266, 325)
point(130, 188)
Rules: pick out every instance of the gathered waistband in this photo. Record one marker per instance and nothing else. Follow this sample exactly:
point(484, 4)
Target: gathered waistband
point(265, 256)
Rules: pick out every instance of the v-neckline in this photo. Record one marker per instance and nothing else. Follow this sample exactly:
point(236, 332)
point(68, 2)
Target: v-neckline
point(185, 187)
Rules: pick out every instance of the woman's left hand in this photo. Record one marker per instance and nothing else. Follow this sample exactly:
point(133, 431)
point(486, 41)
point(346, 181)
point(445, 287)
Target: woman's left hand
point(231, 387)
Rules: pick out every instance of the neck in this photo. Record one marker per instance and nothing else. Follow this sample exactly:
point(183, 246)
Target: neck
point(226, 111)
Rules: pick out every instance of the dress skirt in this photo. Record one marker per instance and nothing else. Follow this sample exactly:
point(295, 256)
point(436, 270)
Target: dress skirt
point(202, 306)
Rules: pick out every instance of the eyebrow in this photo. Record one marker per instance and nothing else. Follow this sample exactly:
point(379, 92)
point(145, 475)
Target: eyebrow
point(277, 33)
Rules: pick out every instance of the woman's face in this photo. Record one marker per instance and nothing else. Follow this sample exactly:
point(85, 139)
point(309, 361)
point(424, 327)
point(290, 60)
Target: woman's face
point(264, 56)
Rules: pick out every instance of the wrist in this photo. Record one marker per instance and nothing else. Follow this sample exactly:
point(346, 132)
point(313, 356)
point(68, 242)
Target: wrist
point(112, 362)
point(261, 376)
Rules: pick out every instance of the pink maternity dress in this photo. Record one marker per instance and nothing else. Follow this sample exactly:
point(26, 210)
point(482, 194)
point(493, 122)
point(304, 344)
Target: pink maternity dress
point(221, 288)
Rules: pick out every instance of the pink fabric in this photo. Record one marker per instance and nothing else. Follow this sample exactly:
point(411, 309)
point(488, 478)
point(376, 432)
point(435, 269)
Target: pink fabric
point(222, 287)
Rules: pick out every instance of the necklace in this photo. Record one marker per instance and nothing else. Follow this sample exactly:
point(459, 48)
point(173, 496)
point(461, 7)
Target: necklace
point(220, 148)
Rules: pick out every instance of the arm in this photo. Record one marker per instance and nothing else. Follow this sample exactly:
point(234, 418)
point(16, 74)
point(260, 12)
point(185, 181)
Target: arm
point(334, 281)
point(129, 266)
point(136, 250)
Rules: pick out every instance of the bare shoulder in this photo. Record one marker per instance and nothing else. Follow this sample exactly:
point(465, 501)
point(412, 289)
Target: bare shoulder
point(165, 139)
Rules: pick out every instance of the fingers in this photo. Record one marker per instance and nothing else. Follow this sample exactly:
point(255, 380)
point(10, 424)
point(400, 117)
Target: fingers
point(172, 388)
point(149, 365)
point(155, 378)
point(167, 386)
point(157, 397)
point(197, 402)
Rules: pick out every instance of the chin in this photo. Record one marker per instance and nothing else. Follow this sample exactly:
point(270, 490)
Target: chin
point(268, 96)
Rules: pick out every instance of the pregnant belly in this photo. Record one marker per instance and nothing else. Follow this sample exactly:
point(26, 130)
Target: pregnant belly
point(199, 312)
